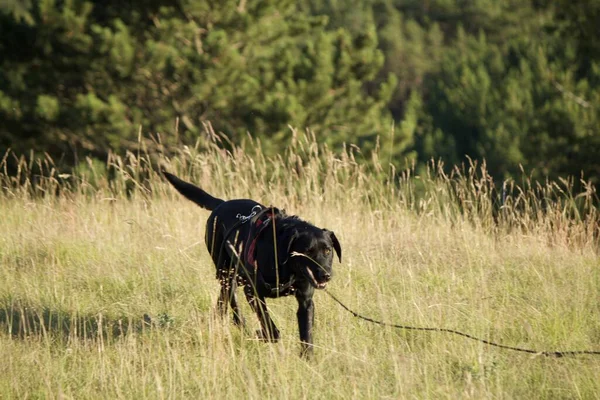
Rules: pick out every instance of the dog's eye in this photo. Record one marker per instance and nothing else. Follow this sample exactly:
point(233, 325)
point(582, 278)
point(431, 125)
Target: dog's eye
point(327, 251)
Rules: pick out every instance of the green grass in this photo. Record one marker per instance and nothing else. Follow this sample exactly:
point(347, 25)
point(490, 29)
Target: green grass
point(81, 270)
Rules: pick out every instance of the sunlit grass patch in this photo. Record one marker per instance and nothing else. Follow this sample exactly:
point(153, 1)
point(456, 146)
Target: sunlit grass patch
point(106, 289)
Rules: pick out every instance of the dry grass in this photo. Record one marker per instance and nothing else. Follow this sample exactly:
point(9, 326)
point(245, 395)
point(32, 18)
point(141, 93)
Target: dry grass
point(81, 269)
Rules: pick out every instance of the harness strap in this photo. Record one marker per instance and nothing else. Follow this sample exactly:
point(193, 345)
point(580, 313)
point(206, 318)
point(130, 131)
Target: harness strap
point(258, 225)
point(251, 271)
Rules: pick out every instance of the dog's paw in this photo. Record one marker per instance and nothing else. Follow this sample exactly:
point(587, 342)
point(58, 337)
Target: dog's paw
point(272, 337)
point(306, 351)
point(239, 321)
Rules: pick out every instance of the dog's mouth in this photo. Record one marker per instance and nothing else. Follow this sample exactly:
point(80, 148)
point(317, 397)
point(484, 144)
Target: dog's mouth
point(314, 281)
point(307, 272)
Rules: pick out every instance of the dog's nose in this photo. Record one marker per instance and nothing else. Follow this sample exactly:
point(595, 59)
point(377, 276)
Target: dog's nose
point(326, 276)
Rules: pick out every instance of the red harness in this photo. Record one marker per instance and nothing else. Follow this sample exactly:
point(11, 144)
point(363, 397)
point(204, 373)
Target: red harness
point(260, 222)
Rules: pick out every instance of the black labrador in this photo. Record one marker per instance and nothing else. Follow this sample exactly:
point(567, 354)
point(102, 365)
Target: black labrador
point(268, 252)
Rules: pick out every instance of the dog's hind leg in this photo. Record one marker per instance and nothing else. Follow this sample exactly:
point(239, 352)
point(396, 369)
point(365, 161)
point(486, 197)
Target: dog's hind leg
point(269, 331)
point(237, 317)
point(224, 296)
point(231, 280)
point(227, 295)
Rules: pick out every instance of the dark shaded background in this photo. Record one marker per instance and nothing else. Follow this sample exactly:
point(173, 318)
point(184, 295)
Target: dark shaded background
point(512, 82)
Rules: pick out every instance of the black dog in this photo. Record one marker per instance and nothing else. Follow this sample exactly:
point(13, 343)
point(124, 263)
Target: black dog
point(268, 252)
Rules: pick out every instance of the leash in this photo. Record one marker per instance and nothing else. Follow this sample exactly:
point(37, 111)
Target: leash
point(468, 336)
point(453, 331)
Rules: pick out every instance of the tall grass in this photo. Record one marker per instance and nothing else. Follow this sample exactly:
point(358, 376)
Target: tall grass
point(106, 289)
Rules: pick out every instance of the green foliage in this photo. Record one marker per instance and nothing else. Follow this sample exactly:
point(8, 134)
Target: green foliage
point(94, 73)
point(516, 83)
point(47, 107)
point(513, 103)
point(512, 82)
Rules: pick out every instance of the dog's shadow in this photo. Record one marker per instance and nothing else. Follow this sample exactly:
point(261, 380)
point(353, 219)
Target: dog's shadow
point(21, 322)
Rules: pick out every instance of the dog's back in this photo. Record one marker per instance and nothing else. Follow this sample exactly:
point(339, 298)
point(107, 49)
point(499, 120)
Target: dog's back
point(225, 217)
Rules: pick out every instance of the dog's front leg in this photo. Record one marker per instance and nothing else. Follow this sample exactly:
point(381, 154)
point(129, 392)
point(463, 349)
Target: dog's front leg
point(306, 319)
point(269, 331)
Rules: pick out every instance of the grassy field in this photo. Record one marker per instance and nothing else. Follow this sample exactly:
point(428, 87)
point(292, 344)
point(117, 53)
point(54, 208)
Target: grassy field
point(107, 291)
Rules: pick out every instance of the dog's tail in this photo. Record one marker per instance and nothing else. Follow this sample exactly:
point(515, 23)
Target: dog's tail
point(193, 193)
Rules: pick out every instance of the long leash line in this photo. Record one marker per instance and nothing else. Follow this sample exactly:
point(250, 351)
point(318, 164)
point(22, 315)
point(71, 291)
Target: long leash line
point(452, 331)
point(455, 332)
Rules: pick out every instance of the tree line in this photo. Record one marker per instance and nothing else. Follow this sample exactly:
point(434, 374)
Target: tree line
point(516, 83)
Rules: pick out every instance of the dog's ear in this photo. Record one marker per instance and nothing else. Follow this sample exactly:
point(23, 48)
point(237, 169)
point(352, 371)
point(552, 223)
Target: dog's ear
point(284, 247)
point(336, 244)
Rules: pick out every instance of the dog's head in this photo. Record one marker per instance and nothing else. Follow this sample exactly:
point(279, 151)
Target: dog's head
point(310, 253)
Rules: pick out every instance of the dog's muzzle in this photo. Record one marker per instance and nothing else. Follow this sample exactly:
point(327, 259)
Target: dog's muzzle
point(314, 281)
point(307, 272)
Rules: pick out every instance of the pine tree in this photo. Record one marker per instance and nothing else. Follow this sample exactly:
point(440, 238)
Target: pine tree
point(93, 73)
